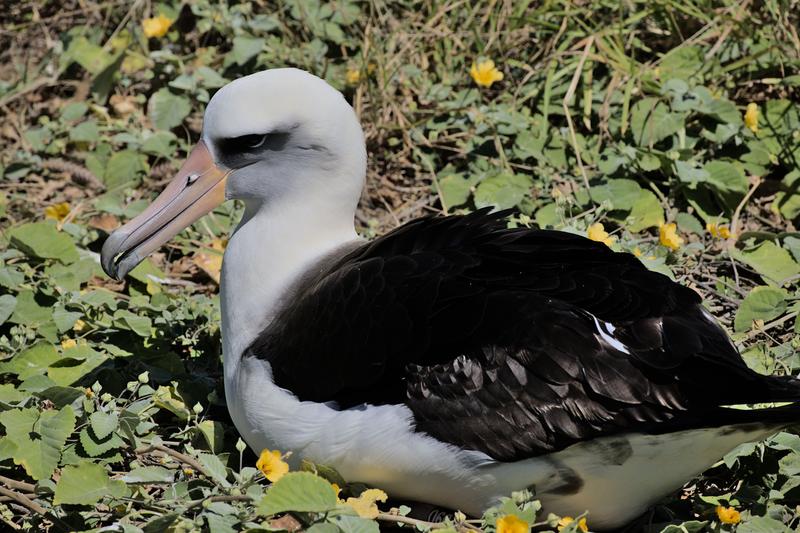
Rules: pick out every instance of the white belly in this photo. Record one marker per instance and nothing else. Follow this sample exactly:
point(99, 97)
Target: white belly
point(614, 478)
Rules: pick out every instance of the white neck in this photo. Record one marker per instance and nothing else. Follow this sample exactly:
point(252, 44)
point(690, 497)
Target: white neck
point(270, 248)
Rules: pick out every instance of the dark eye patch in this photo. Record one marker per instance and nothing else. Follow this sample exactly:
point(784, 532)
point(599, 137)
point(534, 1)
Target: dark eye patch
point(236, 152)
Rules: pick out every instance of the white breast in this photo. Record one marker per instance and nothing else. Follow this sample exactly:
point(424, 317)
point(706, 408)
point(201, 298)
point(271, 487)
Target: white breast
point(616, 478)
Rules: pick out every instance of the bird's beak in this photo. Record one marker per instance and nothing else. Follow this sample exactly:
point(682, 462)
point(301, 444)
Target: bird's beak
point(198, 188)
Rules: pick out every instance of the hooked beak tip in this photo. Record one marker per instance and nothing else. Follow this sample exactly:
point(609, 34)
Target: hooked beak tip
point(108, 255)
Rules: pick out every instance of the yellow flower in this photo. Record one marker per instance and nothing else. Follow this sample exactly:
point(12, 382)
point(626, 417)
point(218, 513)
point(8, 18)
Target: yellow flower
point(511, 523)
point(751, 117)
point(89, 393)
point(598, 233)
point(79, 326)
point(272, 465)
point(156, 26)
point(188, 471)
point(728, 515)
point(365, 505)
point(68, 343)
point(668, 236)
point(57, 212)
point(353, 76)
point(718, 231)
point(484, 73)
point(567, 520)
point(639, 253)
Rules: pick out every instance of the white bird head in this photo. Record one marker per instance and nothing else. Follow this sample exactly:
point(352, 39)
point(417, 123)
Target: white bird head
point(275, 138)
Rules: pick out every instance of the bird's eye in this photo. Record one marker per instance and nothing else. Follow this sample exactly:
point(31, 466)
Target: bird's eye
point(251, 141)
point(236, 152)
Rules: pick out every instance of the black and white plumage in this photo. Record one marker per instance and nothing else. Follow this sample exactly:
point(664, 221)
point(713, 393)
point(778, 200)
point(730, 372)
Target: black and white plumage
point(511, 342)
point(452, 360)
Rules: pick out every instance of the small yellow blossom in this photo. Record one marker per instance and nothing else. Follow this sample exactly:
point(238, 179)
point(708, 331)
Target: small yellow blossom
point(567, 520)
point(751, 117)
point(188, 471)
point(365, 505)
point(511, 523)
point(728, 515)
point(484, 73)
point(639, 253)
point(79, 326)
point(719, 231)
point(353, 76)
point(597, 232)
point(89, 393)
point(57, 212)
point(668, 236)
point(156, 26)
point(68, 343)
point(272, 465)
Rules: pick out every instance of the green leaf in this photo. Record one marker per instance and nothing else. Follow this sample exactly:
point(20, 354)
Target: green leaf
point(88, 55)
point(221, 524)
point(167, 110)
point(10, 394)
point(85, 132)
point(139, 324)
point(74, 111)
point(682, 62)
point(94, 446)
point(762, 524)
point(245, 48)
point(39, 437)
point(646, 212)
point(32, 361)
point(146, 271)
point(503, 190)
point(71, 277)
point(652, 121)
point(771, 261)
point(619, 193)
point(298, 491)
point(122, 168)
point(763, 303)
point(76, 362)
point(160, 143)
point(103, 424)
point(324, 527)
point(356, 524)
point(86, 484)
point(61, 396)
point(169, 399)
point(43, 240)
point(64, 319)
point(7, 305)
point(692, 526)
point(28, 311)
point(455, 190)
point(161, 523)
point(215, 468)
point(214, 434)
point(726, 176)
point(149, 474)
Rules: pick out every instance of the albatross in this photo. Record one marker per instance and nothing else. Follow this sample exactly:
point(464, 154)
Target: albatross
point(453, 360)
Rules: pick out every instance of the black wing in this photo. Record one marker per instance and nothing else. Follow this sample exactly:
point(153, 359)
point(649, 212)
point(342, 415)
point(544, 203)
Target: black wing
point(514, 342)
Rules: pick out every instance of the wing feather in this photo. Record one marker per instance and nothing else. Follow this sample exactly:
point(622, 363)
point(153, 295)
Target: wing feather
point(514, 342)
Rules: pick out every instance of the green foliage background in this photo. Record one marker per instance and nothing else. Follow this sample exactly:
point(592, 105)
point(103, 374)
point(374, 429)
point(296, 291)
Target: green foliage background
point(111, 404)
